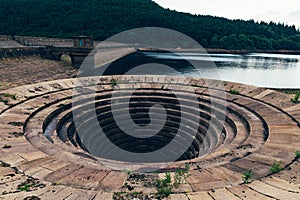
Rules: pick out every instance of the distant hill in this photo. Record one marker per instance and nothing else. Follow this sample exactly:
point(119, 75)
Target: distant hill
point(104, 18)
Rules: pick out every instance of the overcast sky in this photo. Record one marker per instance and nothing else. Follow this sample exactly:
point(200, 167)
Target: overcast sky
point(286, 11)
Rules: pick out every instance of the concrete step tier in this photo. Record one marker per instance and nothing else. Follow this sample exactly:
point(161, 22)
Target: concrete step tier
point(230, 134)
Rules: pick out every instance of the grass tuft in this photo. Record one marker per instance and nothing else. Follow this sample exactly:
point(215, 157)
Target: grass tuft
point(233, 91)
point(297, 154)
point(114, 81)
point(247, 177)
point(25, 187)
point(296, 98)
point(165, 185)
point(12, 96)
point(276, 167)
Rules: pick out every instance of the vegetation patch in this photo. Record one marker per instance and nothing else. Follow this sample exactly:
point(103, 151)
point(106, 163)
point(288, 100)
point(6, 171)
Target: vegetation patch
point(233, 91)
point(276, 167)
point(30, 184)
point(5, 101)
point(138, 180)
point(219, 33)
point(134, 195)
point(295, 99)
point(165, 185)
point(297, 154)
point(12, 96)
point(247, 177)
point(25, 187)
point(114, 81)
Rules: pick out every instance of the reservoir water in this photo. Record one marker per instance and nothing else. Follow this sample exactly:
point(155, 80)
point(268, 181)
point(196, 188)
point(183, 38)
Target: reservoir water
point(263, 70)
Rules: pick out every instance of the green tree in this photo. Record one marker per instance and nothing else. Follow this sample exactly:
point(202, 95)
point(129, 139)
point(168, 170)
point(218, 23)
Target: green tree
point(104, 18)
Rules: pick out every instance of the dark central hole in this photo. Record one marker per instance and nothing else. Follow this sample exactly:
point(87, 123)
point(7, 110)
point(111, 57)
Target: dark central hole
point(139, 109)
point(136, 110)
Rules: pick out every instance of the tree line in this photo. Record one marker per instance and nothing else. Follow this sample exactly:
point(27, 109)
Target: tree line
point(104, 18)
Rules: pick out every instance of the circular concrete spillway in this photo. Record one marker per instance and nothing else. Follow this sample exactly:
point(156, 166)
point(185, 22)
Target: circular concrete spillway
point(206, 122)
point(249, 130)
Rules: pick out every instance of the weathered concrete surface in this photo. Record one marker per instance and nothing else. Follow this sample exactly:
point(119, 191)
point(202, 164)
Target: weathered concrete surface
point(61, 173)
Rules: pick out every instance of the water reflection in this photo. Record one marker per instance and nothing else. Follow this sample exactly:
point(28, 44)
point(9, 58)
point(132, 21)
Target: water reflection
point(264, 70)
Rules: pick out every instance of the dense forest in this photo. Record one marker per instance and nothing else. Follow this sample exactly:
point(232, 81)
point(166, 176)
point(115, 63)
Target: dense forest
point(104, 18)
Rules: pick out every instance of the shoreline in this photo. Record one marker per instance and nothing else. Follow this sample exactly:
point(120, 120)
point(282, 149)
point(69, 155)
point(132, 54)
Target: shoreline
point(225, 51)
point(222, 51)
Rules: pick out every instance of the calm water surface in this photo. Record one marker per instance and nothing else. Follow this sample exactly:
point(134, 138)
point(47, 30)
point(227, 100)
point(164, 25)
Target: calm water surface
point(264, 70)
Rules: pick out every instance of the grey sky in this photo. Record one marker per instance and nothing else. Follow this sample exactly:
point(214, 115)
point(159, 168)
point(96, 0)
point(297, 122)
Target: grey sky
point(287, 11)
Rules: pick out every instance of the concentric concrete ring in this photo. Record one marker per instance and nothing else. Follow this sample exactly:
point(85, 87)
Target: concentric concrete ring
point(261, 126)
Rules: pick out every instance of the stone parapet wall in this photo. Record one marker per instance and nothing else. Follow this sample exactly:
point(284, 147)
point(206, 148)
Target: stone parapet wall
point(42, 41)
